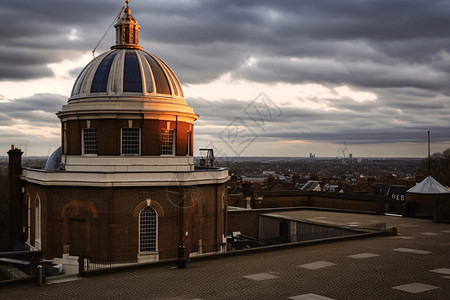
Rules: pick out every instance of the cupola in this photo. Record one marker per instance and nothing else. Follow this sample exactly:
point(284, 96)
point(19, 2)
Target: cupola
point(127, 105)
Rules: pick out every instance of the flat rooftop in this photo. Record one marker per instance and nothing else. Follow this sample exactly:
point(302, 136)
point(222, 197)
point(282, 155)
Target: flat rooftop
point(415, 264)
point(351, 220)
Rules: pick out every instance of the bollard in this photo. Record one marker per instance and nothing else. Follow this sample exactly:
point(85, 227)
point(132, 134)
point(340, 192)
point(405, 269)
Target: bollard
point(40, 275)
point(181, 261)
point(81, 264)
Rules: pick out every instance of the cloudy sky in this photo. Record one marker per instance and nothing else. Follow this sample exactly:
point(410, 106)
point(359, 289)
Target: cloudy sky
point(268, 78)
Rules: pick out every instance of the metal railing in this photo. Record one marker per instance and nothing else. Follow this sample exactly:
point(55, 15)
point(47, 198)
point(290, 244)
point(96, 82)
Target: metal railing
point(88, 263)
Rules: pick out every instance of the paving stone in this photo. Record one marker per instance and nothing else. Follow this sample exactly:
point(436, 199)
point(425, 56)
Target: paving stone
point(316, 265)
point(415, 287)
point(310, 297)
point(445, 271)
point(260, 276)
point(363, 255)
point(415, 251)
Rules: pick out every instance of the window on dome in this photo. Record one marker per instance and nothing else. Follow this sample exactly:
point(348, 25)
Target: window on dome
point(167, 142)
point(161, 83)
point(147, 74)
point(148, 230)
point(100, 81)
point(131, 141)
point(89, 141)
point(132, 81)
point(171, 76)
point(77, 86)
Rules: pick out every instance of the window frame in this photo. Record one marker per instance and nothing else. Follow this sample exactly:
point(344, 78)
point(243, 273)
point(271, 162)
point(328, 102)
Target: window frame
point(153, 221)
point(83, 142)
point(38, 223)
point(122, 141)
point(189, 143)
point(28, 219)
point(171, 134)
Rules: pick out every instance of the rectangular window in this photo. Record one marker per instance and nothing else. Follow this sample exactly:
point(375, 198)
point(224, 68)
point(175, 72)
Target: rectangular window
point(89, 141)
point(189, 141)
point(131, 141)
point(167, 142)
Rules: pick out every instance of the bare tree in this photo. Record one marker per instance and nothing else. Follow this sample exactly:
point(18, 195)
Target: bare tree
point(439, 167)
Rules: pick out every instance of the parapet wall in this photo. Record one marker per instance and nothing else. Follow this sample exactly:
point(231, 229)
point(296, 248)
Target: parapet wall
point(247, 221)
point(347, 201)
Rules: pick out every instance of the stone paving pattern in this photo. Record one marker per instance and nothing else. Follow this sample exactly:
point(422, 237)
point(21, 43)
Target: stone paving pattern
point(373, 277)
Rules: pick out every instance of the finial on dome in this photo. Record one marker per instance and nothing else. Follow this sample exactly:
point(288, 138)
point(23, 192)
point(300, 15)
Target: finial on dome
point(127, 9)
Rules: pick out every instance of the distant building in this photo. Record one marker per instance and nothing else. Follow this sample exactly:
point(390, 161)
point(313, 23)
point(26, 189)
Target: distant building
point(430, 199)
point(311, 185)
point(123, 182)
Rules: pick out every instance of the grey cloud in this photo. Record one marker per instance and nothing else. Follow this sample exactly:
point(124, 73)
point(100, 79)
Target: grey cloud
point(398, 50)
point(355, 126)
point(37, 110)
point(362, 74)
point(38, 102)
point(206, 39)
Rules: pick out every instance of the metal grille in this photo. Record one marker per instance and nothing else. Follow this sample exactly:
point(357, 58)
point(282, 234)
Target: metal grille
point(167, 142)
point(90, 141)
point(147, 230)
point(130, 140)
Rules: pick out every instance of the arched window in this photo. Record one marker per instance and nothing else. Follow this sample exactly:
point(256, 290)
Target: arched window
point(28, 219)
point(148, 223)
point(37, 228)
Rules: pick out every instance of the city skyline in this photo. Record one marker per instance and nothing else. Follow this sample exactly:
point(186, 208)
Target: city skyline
point(267, 78)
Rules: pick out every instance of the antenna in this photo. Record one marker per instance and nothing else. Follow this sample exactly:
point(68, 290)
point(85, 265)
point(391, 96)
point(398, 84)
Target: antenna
point(429, 155)
point(107, 29)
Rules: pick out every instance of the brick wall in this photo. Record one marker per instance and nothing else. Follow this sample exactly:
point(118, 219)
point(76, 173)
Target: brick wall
point(104, 222)
point(109, 136)
point(348, 201)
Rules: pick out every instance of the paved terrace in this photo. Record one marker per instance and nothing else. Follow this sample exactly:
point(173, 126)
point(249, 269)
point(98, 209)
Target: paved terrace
point(413, 265)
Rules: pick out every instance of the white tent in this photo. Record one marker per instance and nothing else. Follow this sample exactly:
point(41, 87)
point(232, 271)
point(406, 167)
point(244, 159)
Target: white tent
point(428, 186)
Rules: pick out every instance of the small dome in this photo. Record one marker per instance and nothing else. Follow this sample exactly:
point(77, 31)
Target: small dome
point(54, 160)
point(126, 72)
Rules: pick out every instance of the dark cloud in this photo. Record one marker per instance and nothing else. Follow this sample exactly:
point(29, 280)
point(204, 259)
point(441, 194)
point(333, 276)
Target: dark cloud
point(37, 110)
point(398, 50)
point(351, 121)
point(203, 40)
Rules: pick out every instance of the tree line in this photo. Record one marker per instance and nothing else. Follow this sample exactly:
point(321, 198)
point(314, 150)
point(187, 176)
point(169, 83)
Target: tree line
point(439, 165)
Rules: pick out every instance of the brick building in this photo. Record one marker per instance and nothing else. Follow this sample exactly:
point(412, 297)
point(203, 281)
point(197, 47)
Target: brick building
point(123, 182)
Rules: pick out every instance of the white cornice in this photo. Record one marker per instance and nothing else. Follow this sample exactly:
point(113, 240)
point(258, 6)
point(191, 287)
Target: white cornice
point(77, 163)
point(125, 179)
point(161, 110)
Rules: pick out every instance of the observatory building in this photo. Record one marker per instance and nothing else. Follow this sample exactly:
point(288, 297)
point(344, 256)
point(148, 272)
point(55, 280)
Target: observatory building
point(123, 182)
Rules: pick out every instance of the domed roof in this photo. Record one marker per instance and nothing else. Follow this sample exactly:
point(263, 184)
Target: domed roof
point(126, 72)
point(54, 160)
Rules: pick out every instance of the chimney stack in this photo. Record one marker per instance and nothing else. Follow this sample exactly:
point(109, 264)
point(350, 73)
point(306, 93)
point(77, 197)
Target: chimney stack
point(15, 193)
